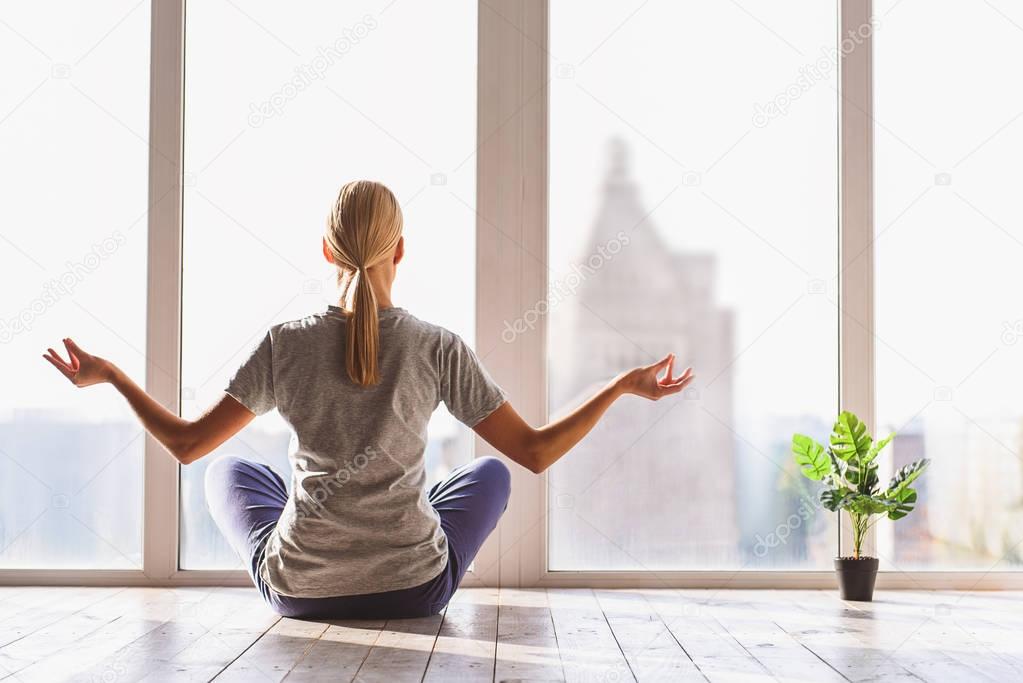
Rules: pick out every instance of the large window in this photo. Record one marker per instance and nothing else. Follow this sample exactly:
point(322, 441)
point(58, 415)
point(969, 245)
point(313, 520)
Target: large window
point(706, 170)
point(948, 244)
point(299, 103)
point(693, 209)
point(73, 124)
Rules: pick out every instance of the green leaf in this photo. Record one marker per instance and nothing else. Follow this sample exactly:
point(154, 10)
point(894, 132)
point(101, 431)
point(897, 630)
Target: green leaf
point(832, 499)
point(810, 457)
point(879, 446)
point(838, 465)
point(862, 504)
point(902, 503)
point(906, 476)
point(865, 478)
point(849, 438)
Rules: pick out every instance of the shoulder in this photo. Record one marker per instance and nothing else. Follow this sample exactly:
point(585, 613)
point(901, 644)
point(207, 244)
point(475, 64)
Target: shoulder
point(422, 329)
point(300, 327)
point(444, 347)
point(306, 323)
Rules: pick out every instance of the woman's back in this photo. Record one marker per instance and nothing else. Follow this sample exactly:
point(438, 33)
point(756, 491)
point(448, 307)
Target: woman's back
point(357, 520)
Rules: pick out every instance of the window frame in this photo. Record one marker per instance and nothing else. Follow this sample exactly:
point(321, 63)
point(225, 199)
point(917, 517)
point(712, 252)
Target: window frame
point(511, 276)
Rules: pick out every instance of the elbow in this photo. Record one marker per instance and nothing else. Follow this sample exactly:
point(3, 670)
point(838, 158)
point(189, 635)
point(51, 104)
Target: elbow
point(535, 458)
point(185, 454)
point(537, 467)
point(185, 449)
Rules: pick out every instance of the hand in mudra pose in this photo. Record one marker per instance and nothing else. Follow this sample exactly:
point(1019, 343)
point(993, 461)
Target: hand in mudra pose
point(645, 381)
point(82, 369)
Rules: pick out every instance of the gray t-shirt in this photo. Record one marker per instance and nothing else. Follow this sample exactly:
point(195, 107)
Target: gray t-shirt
point(358, 520)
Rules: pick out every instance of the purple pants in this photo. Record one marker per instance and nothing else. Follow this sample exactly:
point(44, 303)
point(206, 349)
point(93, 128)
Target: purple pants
point(246, 499)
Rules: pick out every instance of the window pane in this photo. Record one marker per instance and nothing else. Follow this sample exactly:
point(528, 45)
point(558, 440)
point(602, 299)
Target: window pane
point(948, 244)
point(73, 249)
point(296, 104)
point(693, 209)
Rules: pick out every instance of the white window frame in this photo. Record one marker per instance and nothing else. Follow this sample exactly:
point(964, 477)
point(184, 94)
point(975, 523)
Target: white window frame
point(511, 267)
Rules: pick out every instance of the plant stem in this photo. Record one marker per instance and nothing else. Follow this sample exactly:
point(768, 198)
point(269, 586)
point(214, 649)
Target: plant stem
point(860, 524)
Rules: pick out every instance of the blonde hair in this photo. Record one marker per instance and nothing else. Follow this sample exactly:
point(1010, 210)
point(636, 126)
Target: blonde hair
point(363, 230)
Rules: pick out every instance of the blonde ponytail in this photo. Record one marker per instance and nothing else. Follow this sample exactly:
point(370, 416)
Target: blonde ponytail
point(363, 231)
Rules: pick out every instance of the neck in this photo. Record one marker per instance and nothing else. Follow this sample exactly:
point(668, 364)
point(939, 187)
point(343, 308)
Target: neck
point(381, 285)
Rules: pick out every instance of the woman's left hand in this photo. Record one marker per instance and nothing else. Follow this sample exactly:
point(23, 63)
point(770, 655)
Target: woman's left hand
point(82, 369)
point(647, 381)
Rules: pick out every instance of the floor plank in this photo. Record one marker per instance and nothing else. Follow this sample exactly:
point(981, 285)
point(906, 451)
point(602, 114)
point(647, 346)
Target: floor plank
point(714, 651)
point(512, 635)
point(32, 613)
point(224, 637)
point(63, 624)
point(649, 646)
point(339, 652)
point(820, 622)
point(782, 655)
point(909, 619)
point(276, 653)
point(402, 651)
point(589, 649)
point(467, 642)
point(527, 646)
point(104, 648)
point(195, 613)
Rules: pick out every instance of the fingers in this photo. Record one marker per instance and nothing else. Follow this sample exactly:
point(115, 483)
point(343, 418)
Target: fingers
point(55, 357)
point(72, 352)
point(659, 365)
point(666, 384)
point(687, 374)
point(667, 372)
point(670, 388)
point(59, 364)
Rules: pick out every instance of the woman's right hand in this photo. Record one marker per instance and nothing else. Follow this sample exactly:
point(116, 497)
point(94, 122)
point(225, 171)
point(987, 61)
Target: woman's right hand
point(645, 381)
point(82, 369)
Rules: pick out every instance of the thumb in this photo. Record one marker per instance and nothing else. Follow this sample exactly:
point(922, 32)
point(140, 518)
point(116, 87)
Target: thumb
point(74, 351)
point(663, 363)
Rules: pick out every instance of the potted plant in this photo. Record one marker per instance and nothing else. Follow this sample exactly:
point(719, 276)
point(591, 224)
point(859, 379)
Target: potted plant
point(848, 468)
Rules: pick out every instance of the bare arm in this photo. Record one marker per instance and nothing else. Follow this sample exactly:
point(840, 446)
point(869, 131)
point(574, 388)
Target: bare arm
point(186, 440)
point(538, 449)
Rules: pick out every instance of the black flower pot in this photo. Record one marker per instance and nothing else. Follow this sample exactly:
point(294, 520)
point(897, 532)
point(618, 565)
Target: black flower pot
point(856, 577)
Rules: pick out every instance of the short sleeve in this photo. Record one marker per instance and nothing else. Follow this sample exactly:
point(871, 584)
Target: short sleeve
point(466, 388)
point(253, 384)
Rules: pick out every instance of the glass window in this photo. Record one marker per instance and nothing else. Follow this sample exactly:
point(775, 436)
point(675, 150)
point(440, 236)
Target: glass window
point(947, 132)
point(693, 206)
point(74, 123)
point(276, 119)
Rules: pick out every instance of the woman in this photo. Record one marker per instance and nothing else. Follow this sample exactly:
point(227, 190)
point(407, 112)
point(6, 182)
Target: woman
point(359, 536)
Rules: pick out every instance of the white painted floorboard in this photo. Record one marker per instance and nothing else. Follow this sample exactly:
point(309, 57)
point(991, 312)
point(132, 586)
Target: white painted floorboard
point(608, 636)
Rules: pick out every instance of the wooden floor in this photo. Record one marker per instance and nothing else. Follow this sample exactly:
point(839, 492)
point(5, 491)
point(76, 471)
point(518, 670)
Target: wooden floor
point(116, 635)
